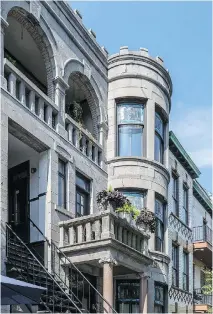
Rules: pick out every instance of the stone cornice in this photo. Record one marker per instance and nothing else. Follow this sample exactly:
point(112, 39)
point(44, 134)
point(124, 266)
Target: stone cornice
point(142, 159)
point(133, 56)
point(145, 77)
point(181, 154)
point(202, 197)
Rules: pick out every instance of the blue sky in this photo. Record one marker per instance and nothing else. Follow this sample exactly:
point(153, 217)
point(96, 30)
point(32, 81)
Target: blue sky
point(179, 32)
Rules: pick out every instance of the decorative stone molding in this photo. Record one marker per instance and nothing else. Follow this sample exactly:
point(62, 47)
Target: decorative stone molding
point(61, 151)
point(35, 9)
point(108, 260)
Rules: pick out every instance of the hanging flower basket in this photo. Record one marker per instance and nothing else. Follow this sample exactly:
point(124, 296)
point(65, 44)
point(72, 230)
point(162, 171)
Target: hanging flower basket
point(146, 221)
point(112, 198)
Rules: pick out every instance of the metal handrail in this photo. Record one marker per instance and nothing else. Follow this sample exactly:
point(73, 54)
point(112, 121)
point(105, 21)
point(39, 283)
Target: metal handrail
point(202, 297)
point(73, 265)
point(42, 266)
point(34, 225)
point(202, 233)
point(100, 295)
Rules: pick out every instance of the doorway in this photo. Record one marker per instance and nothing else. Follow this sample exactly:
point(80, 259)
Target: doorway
point(127, 292)
point(18, 192)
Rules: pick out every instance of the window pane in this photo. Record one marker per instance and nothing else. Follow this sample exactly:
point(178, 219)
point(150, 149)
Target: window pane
point(61, 191)
point(159, 210)
point(136, 198)
point(158, 148)
point(159, 124)
point(130, 140)
point(61, 167)
point(82, 182)
point(130, 113)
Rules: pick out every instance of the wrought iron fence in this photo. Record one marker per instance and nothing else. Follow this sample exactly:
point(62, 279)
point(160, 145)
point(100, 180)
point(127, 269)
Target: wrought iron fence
point(202, 233)
point(201, 298)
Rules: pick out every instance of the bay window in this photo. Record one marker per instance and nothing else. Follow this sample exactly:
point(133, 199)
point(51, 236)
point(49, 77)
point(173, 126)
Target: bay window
point(159, 232)
point(136, 198)
point(159, 138)
point(130, 121)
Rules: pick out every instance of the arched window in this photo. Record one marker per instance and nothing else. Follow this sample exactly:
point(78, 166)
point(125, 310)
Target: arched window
point(159, 138)
point(130, 121)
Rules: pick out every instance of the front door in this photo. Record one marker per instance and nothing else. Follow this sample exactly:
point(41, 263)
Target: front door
point(127, 296)
point(18, 186)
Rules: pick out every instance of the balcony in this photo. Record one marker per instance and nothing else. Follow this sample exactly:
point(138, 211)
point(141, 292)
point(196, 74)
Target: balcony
point(90, 239)
point(84, 141)
point(202, 244)
point(202, 302)
point(39, 104)
point(30, 96)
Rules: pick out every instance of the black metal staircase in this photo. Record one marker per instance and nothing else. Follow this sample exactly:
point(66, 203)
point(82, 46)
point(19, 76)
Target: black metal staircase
point(65, 293)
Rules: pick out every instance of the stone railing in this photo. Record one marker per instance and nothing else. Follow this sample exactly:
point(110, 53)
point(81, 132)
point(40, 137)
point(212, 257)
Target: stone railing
point(101, 226)
point(29, 95)
point(83, 141)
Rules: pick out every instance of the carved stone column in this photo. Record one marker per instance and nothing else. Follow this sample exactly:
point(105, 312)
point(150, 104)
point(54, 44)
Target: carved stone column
point(108, 264)
point(60, 90)
point(143, 292)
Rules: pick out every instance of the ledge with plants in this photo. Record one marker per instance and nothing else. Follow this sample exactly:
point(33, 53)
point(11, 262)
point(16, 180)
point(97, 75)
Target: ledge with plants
point(142, 219)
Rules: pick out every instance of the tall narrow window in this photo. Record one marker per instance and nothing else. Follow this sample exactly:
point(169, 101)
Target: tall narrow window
point(130, 129)
point(185, 204)
point(175, 194)
point(82, 195)
point(159, 301)
point(159, 232)
point(185, 271)
point(159, 138)
point(174, 265)
point(136, 198)
point(61, 183)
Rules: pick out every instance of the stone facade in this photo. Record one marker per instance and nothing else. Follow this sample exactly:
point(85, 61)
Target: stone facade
point(36, 127)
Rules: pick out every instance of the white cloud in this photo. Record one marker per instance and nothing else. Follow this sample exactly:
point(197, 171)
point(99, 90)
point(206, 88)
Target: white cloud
point(193, 128)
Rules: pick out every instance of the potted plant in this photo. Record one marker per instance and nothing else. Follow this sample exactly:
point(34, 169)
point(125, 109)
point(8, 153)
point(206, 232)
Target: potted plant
point(146, 220)
point(111, 197)
point(126, 212)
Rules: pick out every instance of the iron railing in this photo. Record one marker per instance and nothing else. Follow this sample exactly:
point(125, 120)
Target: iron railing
point(202, 298)
point(30, 268)
point(75, 281)
point(202, 233)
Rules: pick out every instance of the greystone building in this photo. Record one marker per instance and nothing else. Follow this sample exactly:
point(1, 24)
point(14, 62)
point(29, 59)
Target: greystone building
point(53, 233)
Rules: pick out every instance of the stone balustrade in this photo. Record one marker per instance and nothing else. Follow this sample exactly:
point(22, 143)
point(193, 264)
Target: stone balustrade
point(101, 226)
point(29, 95)
point(84, 141)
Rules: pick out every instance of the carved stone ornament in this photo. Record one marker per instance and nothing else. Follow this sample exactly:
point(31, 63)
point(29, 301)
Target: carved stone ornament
point(109, 260)
point(35, 9)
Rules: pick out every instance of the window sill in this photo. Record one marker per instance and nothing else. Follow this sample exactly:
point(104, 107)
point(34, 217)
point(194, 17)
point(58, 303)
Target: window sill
point(64, 211)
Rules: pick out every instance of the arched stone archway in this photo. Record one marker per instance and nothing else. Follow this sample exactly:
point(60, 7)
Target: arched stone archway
point(75, 70)
point(28, 24)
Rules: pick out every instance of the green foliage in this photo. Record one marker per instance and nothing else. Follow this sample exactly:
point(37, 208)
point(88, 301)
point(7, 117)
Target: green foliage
point(147, 218)
point(126, 208)
point(110, 189)
point(207, 288)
